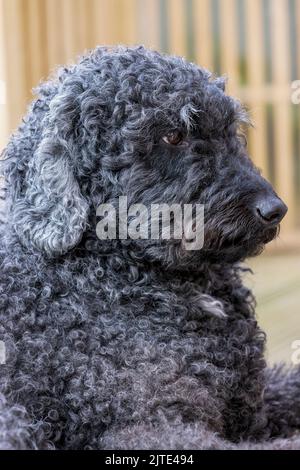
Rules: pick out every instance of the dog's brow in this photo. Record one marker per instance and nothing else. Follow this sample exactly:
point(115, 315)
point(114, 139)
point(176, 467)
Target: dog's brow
point(189, 114)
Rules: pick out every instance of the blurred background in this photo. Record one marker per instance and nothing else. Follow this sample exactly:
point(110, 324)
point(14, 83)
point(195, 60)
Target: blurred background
point(256, 43)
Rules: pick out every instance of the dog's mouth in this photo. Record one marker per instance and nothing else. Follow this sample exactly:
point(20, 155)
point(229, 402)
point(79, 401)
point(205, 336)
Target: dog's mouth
point(271, 234)
point(244, 240)
point(247, 239)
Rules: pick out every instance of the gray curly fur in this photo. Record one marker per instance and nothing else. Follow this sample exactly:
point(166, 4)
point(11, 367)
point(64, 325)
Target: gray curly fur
point(132, 344)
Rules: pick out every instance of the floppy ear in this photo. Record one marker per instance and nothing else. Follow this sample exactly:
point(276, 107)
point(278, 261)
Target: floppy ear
point(49, 212)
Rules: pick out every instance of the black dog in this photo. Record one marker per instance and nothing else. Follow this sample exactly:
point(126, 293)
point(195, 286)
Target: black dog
point(135, 343)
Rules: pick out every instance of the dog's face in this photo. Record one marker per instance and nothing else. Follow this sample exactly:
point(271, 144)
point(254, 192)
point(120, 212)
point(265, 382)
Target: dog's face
point(185, 144)
point(156, 129)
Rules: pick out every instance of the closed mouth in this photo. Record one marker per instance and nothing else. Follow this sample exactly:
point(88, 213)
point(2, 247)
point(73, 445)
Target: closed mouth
point(241, 240)
point(271, 233)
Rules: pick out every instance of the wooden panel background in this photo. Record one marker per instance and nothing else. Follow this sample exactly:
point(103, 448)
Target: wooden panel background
point(256, 43)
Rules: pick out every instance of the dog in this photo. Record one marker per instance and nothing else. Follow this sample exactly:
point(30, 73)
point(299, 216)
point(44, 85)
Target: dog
point(136, 343)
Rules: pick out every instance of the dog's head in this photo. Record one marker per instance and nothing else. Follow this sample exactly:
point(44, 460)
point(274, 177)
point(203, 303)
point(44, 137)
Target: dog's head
point(157, 129)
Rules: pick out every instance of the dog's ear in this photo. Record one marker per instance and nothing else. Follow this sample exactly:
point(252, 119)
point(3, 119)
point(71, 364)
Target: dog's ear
point(49, 211)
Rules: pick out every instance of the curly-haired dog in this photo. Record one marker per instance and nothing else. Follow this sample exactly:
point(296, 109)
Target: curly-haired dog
point(131, 344)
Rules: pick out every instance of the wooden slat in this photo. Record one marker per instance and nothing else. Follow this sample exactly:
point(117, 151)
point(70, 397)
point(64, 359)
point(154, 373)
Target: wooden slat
point(55, 32)
point(277, 301)
point(105, 22)
point(36, 41)
point(148, 23)
point(255, 67)
point(282, 110)
point(266, 93)
point(3, 101)
point(229, 36)
point(129, 21)
point(176, 21)
point(203, 33)
point(297, 13)
point(17, 84)
point(82, 23)
point(70, 37)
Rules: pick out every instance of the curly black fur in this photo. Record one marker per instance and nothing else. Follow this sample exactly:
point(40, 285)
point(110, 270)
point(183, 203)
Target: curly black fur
point(134, 343)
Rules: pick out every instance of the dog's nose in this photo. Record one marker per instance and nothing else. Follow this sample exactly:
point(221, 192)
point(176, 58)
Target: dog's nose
point(270, 209)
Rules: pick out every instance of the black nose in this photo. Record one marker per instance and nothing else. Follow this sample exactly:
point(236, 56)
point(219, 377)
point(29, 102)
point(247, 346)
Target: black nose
point(270, 209)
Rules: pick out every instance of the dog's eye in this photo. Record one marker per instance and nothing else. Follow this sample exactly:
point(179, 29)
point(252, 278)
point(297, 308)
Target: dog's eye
point(173, 138)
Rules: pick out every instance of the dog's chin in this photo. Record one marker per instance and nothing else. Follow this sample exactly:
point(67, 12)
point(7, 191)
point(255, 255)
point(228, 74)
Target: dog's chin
point(175, 254)
point(271, 234)
point(241, 246)
point(266, 238)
